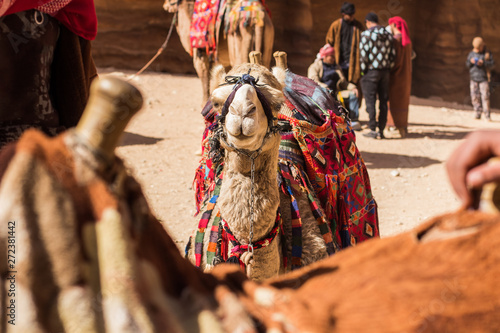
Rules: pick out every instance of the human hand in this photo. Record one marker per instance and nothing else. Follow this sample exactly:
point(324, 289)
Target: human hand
point(356, 93)
point(473, 61)
point(467, 167)
point(480, 62)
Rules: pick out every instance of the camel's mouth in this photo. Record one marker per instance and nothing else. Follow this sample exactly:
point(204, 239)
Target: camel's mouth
point(245, 142)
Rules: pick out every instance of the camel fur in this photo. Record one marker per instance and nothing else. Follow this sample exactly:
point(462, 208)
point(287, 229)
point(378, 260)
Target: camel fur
point(234, 48)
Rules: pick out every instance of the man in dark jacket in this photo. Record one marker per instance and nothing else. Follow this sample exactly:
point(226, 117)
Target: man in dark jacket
point(377, 55)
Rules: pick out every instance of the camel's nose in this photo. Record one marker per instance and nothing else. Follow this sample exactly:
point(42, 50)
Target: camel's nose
point(243, 113)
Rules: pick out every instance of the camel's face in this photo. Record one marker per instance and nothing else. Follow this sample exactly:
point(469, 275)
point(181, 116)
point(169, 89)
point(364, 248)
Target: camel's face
point(171, 6)
point(246, 124)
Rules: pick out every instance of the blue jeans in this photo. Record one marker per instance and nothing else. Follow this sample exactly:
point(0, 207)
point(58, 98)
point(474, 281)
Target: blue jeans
point(352, 105)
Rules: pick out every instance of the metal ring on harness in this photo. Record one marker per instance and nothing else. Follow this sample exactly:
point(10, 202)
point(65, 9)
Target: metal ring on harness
point(40, 20)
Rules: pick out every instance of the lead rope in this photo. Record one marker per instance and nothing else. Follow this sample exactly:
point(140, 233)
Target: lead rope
point(160, 50)
point(252, 217)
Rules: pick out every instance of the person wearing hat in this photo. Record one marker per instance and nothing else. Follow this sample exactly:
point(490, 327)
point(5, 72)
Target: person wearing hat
point(377, 56)
point(344, 35)
point(325, 71)
point(480, 61)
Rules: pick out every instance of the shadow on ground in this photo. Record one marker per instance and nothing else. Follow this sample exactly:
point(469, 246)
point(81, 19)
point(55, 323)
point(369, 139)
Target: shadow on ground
point(130, 139)
point(393, 161)
point(437, 134)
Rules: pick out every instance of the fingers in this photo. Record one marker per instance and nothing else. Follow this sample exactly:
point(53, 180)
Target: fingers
point(470, 157)
point(483, 174)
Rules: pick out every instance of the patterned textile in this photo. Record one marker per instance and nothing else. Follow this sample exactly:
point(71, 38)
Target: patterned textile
point(238, 248)
point(203, 22)
point(318, 157)
point(53, 6)
point(246, 13)
point(376, 49)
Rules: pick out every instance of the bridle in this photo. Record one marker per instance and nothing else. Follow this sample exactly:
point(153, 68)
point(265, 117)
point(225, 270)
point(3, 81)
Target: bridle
point(272, 126)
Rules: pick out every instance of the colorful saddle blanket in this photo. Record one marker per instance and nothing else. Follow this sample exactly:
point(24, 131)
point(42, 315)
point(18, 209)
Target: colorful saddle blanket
point(318, 156)
point(203, 33)
point(209, 16)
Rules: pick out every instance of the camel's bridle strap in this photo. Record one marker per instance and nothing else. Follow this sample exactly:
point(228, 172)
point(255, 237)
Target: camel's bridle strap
point(238, 82)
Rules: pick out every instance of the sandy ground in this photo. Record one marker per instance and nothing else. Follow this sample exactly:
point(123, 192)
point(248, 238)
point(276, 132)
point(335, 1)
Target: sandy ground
point(407, 175)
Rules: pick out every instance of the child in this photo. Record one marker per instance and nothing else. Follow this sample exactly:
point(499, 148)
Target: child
point(480, 61)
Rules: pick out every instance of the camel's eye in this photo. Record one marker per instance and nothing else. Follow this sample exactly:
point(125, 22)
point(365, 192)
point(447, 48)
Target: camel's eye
point(216, 103)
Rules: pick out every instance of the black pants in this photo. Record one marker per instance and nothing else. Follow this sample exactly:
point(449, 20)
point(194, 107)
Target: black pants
point(373, 83)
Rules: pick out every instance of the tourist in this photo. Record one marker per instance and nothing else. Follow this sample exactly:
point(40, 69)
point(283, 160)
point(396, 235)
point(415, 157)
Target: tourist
point(344, 35)
point(376, 59)
point(326, 72)
point(480, 61)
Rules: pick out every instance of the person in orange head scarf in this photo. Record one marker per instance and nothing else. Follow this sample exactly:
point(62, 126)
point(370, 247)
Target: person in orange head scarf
point(400, 83)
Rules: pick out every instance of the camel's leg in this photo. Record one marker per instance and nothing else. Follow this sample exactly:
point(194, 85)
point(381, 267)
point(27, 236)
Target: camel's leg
point(268, 40)
point(240, 45)
point(232, 44)
point(202, 66)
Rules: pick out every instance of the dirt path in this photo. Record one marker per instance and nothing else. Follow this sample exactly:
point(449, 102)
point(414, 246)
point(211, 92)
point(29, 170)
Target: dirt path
point(407, 175)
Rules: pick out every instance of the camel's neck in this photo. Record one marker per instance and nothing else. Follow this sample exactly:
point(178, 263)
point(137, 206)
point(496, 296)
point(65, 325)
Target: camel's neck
point(236, 192)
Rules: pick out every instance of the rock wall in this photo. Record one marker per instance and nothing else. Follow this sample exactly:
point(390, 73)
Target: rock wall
point(131, 32)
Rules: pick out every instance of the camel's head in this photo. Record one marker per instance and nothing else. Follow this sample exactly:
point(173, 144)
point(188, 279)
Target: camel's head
point(171, 6)
point(248, 99)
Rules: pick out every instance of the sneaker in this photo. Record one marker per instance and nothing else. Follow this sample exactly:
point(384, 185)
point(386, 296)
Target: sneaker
point(356, 125)
point(372, 134)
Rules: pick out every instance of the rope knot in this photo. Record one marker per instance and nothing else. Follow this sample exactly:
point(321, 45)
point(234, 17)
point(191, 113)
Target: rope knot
point(249, 79)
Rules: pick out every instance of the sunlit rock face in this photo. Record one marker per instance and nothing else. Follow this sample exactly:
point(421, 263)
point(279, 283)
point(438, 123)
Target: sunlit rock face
point(131, 32)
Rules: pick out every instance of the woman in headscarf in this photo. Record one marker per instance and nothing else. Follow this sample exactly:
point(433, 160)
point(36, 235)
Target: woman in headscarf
point(400, 84)
point(328, 74)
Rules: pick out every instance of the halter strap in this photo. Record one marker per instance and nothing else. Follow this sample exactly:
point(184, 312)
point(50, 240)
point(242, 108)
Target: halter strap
point(238, 82)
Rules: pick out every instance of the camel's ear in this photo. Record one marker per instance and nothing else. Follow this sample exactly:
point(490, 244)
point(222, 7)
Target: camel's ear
point(280, 74)
point(217, 76)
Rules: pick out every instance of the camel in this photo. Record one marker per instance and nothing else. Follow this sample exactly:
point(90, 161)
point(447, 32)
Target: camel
point(247, 204)
point(92, 257)
point(249, 130)
point(240, 40)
